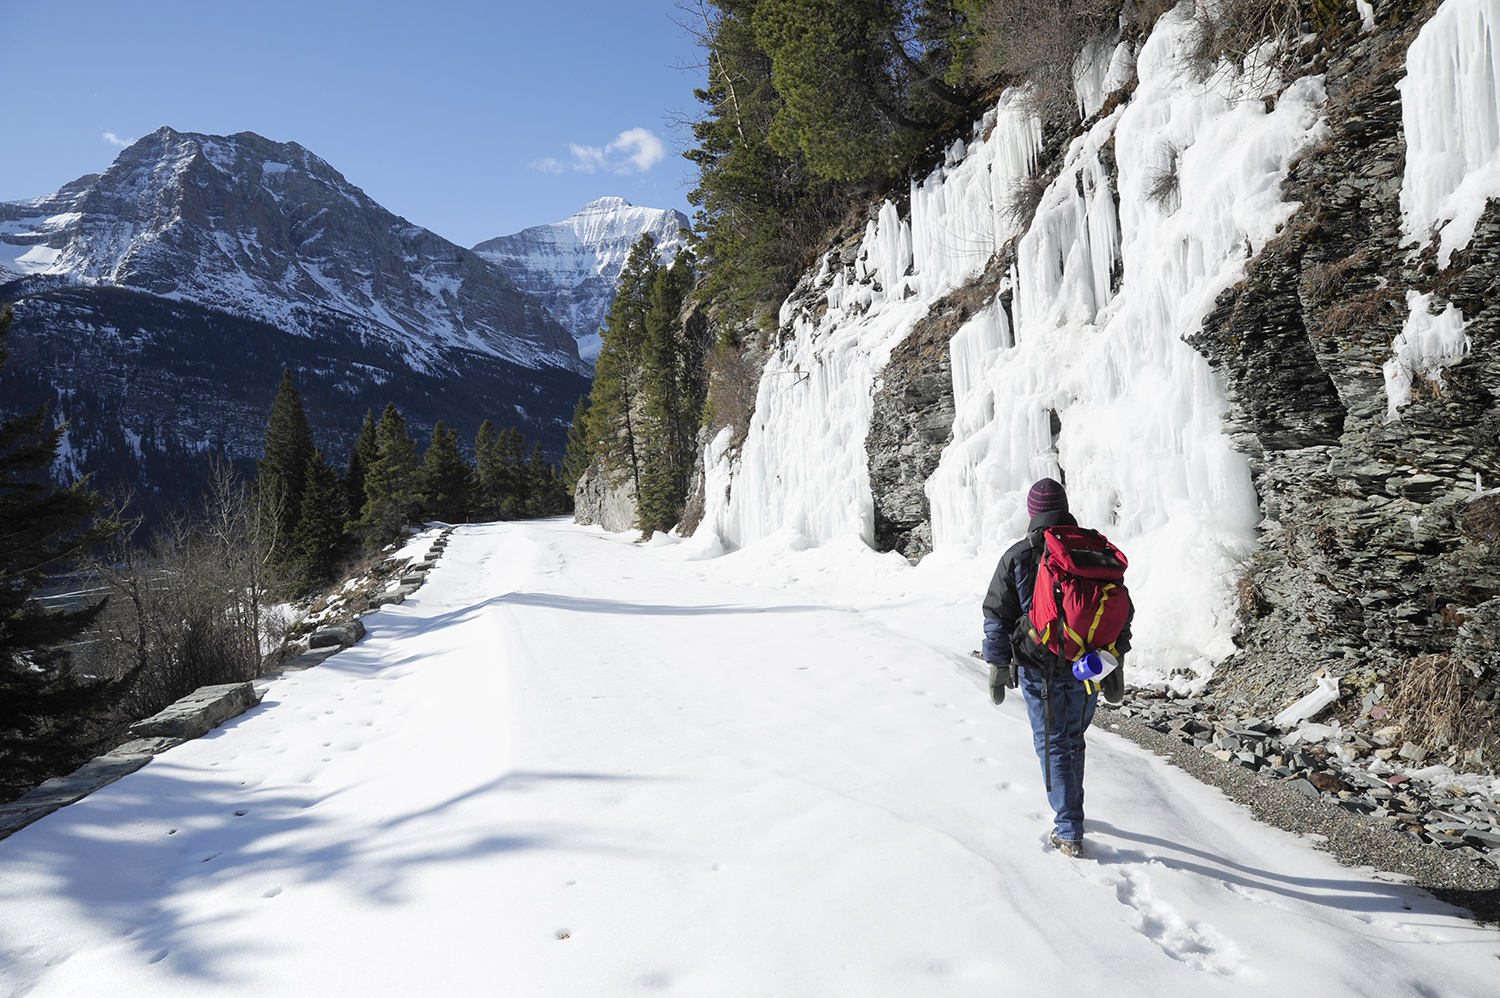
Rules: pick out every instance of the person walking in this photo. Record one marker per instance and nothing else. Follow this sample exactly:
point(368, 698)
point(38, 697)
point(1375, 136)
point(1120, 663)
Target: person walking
point(1059, 705)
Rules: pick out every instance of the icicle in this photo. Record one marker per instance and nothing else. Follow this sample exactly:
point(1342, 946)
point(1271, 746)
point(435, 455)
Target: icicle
point(1450, 110)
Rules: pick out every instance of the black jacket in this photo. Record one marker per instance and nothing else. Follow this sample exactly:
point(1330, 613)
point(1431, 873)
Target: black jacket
point(1009, 599)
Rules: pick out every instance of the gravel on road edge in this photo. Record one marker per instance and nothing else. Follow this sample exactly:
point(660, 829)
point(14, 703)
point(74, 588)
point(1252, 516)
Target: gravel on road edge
point(1350, 839)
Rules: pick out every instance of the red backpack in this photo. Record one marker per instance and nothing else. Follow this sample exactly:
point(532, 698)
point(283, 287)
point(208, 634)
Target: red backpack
point(1080, 602)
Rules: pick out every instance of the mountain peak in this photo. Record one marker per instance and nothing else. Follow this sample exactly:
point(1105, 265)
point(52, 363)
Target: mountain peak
point(604, 204)
point(574, 265)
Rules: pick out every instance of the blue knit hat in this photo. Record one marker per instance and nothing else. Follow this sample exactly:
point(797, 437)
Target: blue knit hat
point(1045, 497)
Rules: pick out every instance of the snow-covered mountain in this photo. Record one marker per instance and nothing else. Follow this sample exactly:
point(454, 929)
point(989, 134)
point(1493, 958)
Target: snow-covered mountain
point(156, 304)
point(267, 230)
point(574, 265)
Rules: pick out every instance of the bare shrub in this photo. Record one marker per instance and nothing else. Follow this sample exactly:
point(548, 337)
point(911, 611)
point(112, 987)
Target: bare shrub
point(1230, 30)
point(191, 608)
point(732, 384)
point(1165, 187)
point(1036, 41)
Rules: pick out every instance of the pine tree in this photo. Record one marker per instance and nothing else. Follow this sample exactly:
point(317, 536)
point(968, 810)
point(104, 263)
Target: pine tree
point(445, 477)
point(614, 396)
point(488, 459)
point(391, 496)
point(672, 400)
point(515, 489)
point(319, 538)
point(360, 458)
point(44, 706)
point(283, 464)
point(576, 457)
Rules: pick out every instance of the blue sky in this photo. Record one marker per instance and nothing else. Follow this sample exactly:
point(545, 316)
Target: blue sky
point(472, 119)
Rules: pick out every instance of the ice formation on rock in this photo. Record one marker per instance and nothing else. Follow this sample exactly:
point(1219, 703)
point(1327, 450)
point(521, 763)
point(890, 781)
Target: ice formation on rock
point(1088, 379)
point(1426, 344)
point(1450, 111)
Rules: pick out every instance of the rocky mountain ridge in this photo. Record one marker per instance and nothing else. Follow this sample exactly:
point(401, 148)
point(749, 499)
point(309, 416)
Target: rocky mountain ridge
point(156, 304)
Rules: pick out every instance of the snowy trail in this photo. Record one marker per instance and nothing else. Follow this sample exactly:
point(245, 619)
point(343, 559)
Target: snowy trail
point(774, 773)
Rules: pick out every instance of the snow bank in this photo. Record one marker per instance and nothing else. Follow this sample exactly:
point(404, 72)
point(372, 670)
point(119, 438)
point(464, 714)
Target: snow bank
point(1087, 378)
point(1451, 114)
point(1426, 344)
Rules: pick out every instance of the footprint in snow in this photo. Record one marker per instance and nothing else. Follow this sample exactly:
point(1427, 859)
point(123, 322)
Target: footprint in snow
point(1410, 931)
point(1195, 943)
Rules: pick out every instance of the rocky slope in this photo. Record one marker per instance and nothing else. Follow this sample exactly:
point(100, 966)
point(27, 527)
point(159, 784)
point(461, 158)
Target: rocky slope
point(156, 304)
point(573, 266)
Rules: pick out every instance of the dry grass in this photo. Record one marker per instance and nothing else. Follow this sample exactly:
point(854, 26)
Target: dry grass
point(1023, 199)
point(1253, 604)
point(1165, 188)
point(1361, 311)
point(1325, 279)
point(1430, 701)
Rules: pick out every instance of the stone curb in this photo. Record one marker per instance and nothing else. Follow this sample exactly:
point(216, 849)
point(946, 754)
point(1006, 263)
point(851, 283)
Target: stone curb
point(337, 635)
point(199, 712)
point(195, 714)
point(413, 575)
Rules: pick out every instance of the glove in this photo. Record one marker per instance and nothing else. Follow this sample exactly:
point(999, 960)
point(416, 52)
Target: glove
point(1001, 676)
point(1113, 685)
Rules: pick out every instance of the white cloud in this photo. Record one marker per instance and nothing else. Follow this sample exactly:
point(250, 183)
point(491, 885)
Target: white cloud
point(635, 150)
point(115, 140)
point(642, 148)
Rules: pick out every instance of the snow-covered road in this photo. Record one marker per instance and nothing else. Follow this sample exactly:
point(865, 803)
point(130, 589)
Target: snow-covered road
point(572, 765)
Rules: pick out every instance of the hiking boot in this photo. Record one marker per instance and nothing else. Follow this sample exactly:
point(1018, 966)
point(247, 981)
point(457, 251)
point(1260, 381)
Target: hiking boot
point(1072, 848)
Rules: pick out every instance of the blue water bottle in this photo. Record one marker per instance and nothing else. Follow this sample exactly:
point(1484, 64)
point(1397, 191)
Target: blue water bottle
point(1095, 665)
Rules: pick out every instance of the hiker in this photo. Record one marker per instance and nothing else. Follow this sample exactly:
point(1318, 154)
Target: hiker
point(1039, 664)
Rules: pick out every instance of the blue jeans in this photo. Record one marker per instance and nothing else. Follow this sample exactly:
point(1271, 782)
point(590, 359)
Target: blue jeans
point(1072, 712)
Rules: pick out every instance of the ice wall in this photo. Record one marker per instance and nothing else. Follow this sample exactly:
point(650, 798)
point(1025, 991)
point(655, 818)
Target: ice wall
point(1450, 110)
point(1088, 378)
point(803, 467)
